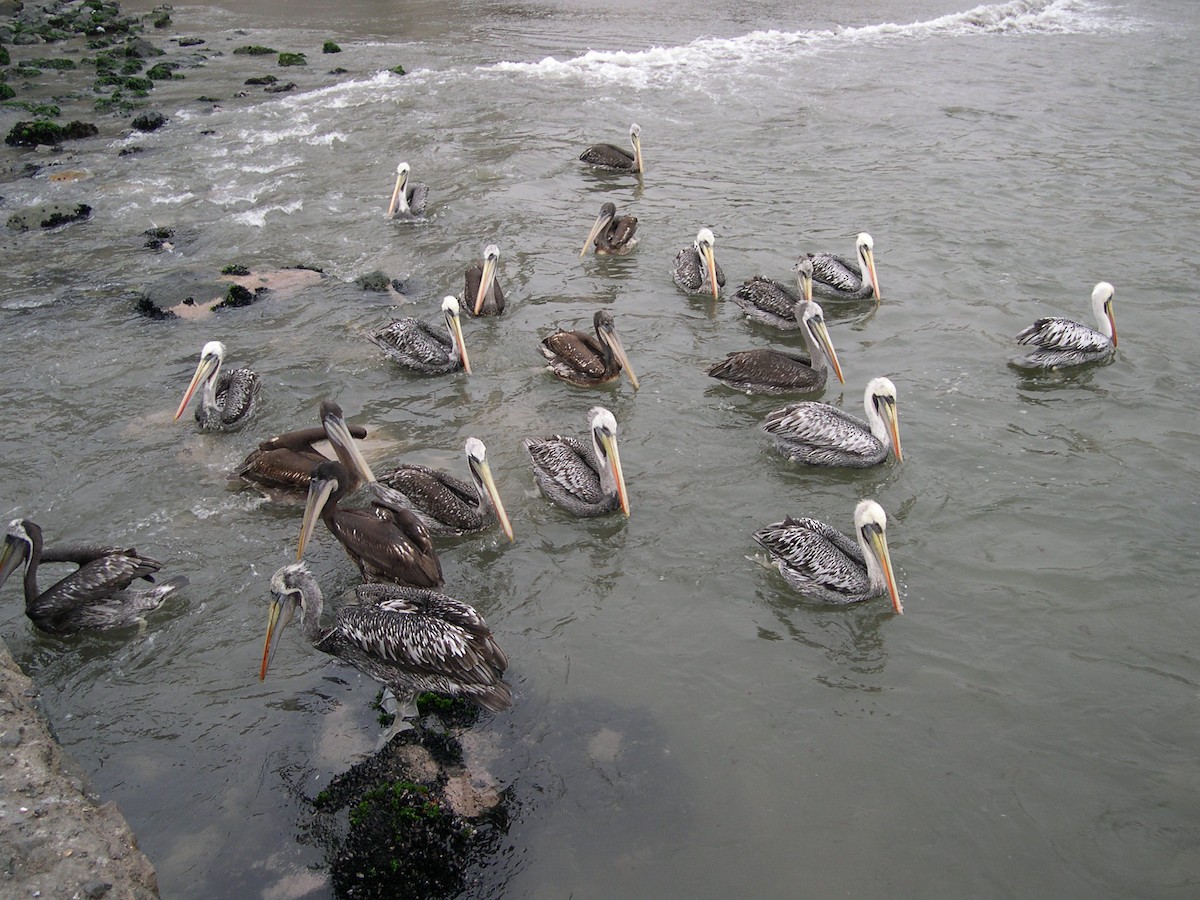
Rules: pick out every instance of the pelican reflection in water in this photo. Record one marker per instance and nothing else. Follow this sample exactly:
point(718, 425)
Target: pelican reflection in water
point(818, 434)
point(1060, 342)
point(227, 401)
point(618, 159)
point(585, 480)
point(587, 361)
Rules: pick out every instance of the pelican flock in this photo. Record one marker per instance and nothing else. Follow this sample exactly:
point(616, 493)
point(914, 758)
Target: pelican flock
point(227, 400)
point(1059, 342)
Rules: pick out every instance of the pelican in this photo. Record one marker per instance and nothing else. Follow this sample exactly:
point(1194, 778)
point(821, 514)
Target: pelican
point(617, 159)
point(422, 347)
point(837, 278)
point(826, 565)
point(1060, 342)
point(448, 505)
point(696, 269)
point(769, 302)
point(410, 639)
point(818, 434)
point(387, 541)
point(227, 400)
point(583, 480)
point(95, 595)
point(285, 462)
point(482, 293)
point(610, 233)
point(408, 200)
point(587, 361)
point(775, 372)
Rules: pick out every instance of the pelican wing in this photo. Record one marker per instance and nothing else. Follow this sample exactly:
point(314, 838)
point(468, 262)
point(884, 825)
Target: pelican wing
point(765, 295)
point(439, 498)
point(815, 556)
point(619, 235)
point(821, 431)
point(1058, 333)
point(836, 272)
point(574, 352)
point(93, 583)
point(608, 156)
point(768, 371)
point(411, 342)
point(235, 393)
point(568, 463)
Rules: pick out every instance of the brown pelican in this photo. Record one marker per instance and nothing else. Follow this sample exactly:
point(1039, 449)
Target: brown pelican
point(837, 278)
point(448, 505)
point(587, 361)
point(410, 639)
point(818, 434)
point(583, 480)
point(422, 346)
point(696, 269)
point(408, 199)
point(1062, 342)
point(826, 565)
point(227, 400)
point(285, 462)
point(387, 541)
point(482, 294)
point(769, 302)
point(617, 159)
point(767, 371)
point(610, 233)
point(95, 595)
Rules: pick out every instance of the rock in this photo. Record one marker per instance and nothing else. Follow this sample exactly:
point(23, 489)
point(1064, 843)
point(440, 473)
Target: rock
point(49, 215)
point(40, 131)
point(149, 121)
point(292, 59)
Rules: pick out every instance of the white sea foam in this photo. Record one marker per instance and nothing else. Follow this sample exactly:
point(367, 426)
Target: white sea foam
point(257, 218)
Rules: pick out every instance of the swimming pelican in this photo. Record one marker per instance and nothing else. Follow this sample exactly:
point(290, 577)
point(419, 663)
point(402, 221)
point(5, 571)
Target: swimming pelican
point(482, 294)
point(408, 199)
point(767, 371)
point(448, 505)
point(410, 639)
point(826, 565)
point(95, 595)
point(769, 302)
point(387, 542)
point(610, 233)
point(837, 278)
point(227, 400)
point(696, 269)
point(587, 361)
point(818, 434)
point(422, 346)
point(617, 159)
point(1062, 342)
point(284, 463)
point(583, 480)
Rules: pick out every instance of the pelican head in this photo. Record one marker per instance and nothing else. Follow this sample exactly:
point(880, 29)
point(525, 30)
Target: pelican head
point(399, 199)
point(804, 277)
point(870, 523)
point(18, 546)
point(606, 330)
point(604, 442)
point(879, 399)
point(866, 261)
point(454, 323)
point(329, 481)
point(481, 474)
point(344, 445)
point(813, 320)
point(291, 586)
point(704, 249)
point(608, 212)
point(206, 372)
point(491, 255)
point(635, 138)
point(1102, 306)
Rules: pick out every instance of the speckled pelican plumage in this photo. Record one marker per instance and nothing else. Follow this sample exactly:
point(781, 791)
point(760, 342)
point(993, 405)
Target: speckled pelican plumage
point(482, 294)
point(408, 197)
point(410, 639)
point(584, 480)
point(837, 278)
point(227, 400)
point(817, 434)
point(448, 505)
point(825, 565)
point(283, 464)
point(611, 234)
point(586, 360)
point(695, 269)
point(767, 371)
point(424, 347)
point(769, 302)
point(387, 541)
point(618, 159)
point(96, 595)
point(1060, 342)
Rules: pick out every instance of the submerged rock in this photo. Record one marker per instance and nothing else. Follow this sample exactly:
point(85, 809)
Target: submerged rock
point(40, 131)
point(48, 215)
point(149, 121)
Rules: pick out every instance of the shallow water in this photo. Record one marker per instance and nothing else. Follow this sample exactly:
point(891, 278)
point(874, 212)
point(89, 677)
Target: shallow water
point(685, 725)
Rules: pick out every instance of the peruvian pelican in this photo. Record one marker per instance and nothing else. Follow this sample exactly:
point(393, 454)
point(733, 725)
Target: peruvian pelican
point(583, 480)
point(482, 294)
point(422, 346)
point(617, 159)
point(837, 278)
point(696, 269)
point(587, 361)
point(284, 463)
point(769, 302)
point(95, 595)
point(1062, 342)
point(410, 639)
point(227, 399)
point(408, 199)
point(448, 505)
point(825, 565)
point(818, 434)
point(767, 371)
point(610, 233)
